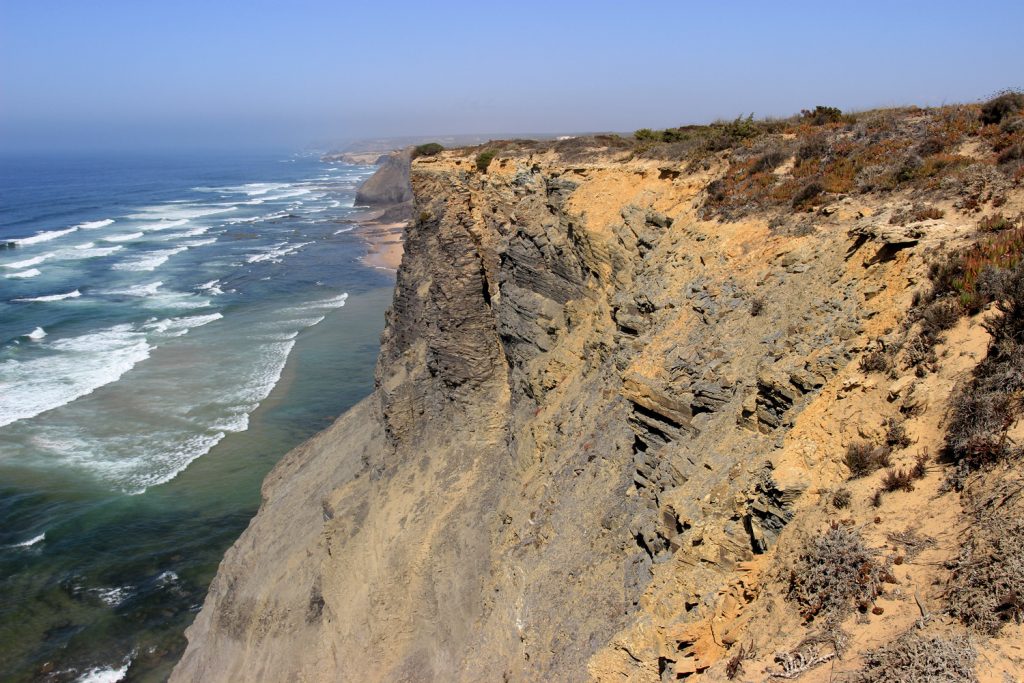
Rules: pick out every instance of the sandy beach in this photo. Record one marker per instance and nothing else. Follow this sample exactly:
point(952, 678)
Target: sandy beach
point(385, 242)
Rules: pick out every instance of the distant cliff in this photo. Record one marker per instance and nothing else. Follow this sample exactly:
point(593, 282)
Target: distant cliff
point(659, 410)
point(390, 183)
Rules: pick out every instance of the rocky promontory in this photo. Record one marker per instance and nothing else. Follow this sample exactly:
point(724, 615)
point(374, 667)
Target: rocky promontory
point(735, 402)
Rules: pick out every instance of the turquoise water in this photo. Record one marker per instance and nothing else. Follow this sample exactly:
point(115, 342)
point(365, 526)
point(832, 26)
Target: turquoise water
point(169, 328)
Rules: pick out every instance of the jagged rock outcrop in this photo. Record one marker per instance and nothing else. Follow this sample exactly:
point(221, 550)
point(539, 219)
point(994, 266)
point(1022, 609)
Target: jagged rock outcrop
point(390, 182)
point(580, 441)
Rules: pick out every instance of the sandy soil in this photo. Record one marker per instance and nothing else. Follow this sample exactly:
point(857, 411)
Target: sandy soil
point(385, 243)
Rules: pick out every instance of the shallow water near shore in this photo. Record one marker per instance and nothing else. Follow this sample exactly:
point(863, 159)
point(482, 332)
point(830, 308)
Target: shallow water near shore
point(222, 316)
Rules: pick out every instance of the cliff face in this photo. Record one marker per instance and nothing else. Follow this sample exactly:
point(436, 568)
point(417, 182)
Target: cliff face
point(599, 420)
point(390, 182)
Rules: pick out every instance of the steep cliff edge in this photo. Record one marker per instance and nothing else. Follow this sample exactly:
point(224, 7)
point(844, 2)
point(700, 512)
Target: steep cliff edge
point(390, 182)
point(606, 424)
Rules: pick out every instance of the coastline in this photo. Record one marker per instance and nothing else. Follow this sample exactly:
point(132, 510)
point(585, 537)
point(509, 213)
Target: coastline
point(384, 236)
point(385, 244)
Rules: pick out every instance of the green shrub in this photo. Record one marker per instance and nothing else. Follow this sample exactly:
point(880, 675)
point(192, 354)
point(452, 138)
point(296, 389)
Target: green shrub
point(821, 115)
point(483, 159)
point(427, 150)
point(1001, 106)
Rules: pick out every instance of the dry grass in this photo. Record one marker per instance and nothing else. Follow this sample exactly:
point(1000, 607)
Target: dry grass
point(896, 433)
point(863, 458)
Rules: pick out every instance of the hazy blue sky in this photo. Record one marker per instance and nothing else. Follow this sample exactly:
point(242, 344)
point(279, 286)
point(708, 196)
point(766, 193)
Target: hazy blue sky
point(113, 73)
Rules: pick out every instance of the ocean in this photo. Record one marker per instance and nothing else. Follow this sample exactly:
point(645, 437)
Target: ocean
point(170, 326)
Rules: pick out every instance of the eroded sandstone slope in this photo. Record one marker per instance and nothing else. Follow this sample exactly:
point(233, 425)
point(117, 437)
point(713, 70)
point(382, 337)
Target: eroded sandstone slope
point(606, 422)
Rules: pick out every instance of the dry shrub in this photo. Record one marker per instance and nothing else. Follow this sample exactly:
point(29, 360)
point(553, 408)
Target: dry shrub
point(920, 468)
point(1002, 106)
point(812, 651)
point(807, 193)
point(914, 658)
point(983, 410)
point(734, 666)
point(879, 360)
point(997, 222)
point(896, 433)
point(958, 274)
point(835, 574)
point(913, 543)
point(897, 480)
point(986, 587)
point(938, 317)
point(814, 147)
point(768, 162)
point(841, 499)
point(863, 458)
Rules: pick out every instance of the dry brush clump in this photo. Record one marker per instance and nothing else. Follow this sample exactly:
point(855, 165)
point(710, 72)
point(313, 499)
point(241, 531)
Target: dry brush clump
point(841, 499)
point(961, 273)
point(915, 658)
point(916, 214)
point(862, 458)
point(882, 359)
point(986, 586)
point(835, 574)
point(896, 433)
point(983, 410)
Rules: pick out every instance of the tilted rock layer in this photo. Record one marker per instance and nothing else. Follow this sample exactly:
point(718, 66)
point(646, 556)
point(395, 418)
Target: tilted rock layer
point(596, 416)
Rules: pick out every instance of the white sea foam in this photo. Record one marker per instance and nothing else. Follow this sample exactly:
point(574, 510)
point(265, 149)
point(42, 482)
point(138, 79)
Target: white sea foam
point(250, 189)
point(87, 245)
point(100, 251)
point(334, 302)
point(44, 236)
point(76, 367)
point(259, 219)
point(30, 542)
point(174, 236)
point(167, 578)
point(112, 597)
point(344, 230)
point(199, 243)
point(31, 272)
point(150, 260)
point(176, 327)
point(103, 675)
point(34, 261)
point(140, 290)
point(172, 212)
point(127, 237)
point(213, 287)
point(164, 225)
point(276, 252)
point(53, 297)
point(36, 334)
point(94, 225)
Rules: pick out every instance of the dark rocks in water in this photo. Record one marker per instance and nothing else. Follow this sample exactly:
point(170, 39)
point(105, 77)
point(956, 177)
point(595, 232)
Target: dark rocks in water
point(8, 245)
point(390, 183)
